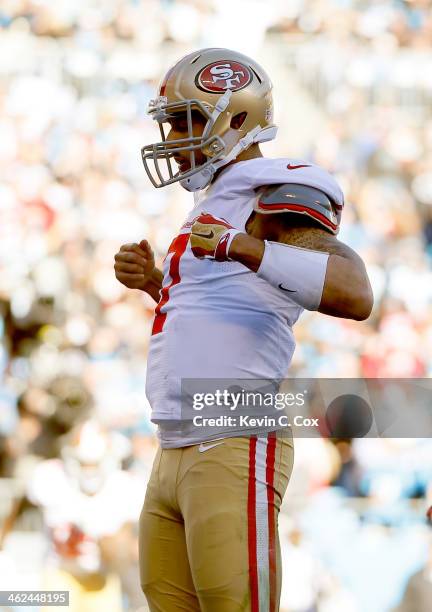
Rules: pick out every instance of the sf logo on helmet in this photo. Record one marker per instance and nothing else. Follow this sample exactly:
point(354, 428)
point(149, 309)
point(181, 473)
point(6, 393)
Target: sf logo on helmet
point(220, 76)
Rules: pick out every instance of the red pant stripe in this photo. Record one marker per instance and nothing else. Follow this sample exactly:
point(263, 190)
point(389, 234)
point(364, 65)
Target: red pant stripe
point(271, 448)
point(252, 543)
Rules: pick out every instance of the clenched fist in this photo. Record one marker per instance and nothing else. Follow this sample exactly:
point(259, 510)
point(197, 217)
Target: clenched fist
point(211, 237)
point(135, 265)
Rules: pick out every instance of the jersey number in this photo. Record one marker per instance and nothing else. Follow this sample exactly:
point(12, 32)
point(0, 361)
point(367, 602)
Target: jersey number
point(177, 248)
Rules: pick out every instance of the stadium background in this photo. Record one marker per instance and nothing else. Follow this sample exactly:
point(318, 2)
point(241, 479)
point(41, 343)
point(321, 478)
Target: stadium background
point(353, 92)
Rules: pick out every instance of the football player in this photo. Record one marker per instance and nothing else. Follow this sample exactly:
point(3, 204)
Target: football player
point(257, 248)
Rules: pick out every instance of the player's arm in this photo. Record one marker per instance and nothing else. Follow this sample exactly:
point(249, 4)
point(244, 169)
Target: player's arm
point(291, 243)
point(345, 291)
point(154, 284)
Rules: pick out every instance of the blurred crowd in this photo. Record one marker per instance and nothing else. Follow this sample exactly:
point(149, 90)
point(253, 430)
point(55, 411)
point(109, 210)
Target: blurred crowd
point(75, 80)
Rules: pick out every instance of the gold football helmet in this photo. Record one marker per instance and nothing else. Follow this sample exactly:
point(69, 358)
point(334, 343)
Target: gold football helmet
point(220, 84)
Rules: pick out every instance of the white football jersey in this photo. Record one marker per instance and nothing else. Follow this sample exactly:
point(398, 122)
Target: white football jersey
point(218, 319)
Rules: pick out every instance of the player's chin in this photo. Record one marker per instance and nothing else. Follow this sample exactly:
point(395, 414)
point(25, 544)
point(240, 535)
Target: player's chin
point(183, 164)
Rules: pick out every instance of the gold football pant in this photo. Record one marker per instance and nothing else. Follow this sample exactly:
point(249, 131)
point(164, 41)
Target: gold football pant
point(208, 528)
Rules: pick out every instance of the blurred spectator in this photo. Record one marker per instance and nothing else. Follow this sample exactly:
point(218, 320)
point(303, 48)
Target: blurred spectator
point(418, 593)
point(304, 578)
point(88, 507)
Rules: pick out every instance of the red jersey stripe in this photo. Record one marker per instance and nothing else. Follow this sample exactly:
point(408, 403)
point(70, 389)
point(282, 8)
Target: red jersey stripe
point(177, 247)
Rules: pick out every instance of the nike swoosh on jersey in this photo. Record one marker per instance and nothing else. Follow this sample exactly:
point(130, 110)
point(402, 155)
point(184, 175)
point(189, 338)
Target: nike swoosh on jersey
point(204, 235)
point(294, 167)
point(285, 289)
point(203, 448)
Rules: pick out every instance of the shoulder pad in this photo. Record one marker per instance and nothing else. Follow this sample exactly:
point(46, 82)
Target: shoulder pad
point(299, 199)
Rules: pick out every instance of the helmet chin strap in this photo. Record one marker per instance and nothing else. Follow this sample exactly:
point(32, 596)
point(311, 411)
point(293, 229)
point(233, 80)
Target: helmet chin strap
point(202, 179)
point(219, 108)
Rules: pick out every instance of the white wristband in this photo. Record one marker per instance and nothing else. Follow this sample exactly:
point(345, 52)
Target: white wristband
point(223, 246)
point(298, 273)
